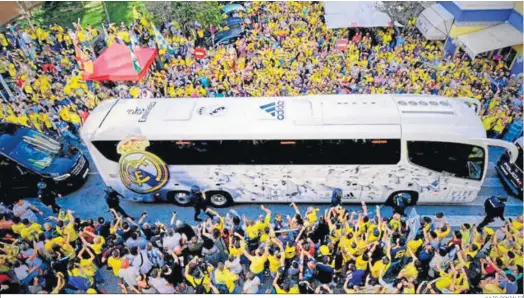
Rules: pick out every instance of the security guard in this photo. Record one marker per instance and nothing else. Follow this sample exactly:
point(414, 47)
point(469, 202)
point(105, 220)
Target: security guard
point(199, 201)
point(48, 196)
point(494, 207)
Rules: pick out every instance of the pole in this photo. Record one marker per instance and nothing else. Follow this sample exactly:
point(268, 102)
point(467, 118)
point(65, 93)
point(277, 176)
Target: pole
point(6, 87)
point(107, 13)
point(24, 12)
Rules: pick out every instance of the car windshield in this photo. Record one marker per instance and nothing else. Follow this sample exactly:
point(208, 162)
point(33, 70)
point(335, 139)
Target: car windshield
point(35, 151)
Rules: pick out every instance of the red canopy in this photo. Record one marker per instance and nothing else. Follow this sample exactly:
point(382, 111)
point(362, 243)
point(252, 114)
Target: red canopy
point(115, 64)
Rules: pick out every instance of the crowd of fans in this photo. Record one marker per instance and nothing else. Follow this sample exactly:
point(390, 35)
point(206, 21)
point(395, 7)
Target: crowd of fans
point(333, 252)
point(285, 50)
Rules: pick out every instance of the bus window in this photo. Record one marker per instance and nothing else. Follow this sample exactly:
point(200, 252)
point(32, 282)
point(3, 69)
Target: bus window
point(459, 160)
point(268, 152)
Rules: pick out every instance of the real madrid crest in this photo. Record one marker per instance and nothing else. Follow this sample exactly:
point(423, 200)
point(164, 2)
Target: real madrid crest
point(140, 171)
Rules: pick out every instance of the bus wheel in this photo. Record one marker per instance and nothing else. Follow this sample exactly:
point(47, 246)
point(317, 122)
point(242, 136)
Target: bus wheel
point(219, 198)
point(412, 195)
point(180, 198)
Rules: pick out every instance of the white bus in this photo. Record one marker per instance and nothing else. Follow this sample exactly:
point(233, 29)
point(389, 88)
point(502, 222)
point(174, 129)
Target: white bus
point(372, 147)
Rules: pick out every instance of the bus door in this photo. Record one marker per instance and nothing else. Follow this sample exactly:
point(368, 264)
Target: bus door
point(456, 170)
point(465, 182)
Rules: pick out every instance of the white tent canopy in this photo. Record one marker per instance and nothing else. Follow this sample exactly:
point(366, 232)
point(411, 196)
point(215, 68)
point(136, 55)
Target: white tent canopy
point(344, 14)
point(435, 22)
point(492, 38)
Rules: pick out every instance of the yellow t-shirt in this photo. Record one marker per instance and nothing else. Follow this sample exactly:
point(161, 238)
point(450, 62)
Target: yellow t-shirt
point(409, 271)
point(226, 277)
point(257, 264)
point(444, 282)
point(97, 247)
point(115, 264)
point(377, 267)
point(70, 228)
point(360, 264)
point(274, 263)
point(293, 290)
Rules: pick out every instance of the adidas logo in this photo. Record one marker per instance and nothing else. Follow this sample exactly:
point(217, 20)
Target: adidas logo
point(275, 109)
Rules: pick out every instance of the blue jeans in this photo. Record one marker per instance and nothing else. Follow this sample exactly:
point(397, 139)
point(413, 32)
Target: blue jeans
point(29, 278)
point(261, 275)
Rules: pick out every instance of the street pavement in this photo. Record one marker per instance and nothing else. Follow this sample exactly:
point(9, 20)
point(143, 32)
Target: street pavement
point(88, 202)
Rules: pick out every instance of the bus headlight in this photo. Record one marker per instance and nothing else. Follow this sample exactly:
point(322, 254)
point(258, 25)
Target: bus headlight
point(61, 177)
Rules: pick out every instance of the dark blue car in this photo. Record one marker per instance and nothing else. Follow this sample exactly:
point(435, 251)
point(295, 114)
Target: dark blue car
point(226, 37)
point(27, 157)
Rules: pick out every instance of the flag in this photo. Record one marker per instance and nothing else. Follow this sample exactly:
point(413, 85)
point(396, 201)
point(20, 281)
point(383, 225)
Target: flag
point(136, 64)
point(414, 224)
point(160, 40)
point(84, 61)
point(136, 14)
point(106, 35)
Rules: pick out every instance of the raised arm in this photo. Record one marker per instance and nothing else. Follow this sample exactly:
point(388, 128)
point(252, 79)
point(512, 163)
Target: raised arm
point(364, 208)
point(294, 205)
point(142, 218)
point(173, 217)
point(275, 281)
point(268, 212)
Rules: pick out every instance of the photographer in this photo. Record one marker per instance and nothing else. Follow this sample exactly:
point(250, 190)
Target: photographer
point(197, 274)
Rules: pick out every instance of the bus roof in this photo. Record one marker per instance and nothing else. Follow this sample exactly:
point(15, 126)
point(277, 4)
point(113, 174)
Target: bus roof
point(308, 117)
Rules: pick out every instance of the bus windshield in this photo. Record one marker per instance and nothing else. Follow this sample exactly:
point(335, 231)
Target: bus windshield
point(35, 150)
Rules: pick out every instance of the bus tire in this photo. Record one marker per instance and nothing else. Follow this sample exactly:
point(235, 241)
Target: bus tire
point(412, 194)
point(219, 198)
point(179, 197)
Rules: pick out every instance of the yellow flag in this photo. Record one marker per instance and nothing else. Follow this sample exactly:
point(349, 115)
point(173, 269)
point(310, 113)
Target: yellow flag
point(136, 15)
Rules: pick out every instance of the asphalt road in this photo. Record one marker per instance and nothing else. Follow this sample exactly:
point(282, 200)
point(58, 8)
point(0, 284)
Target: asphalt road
point(89, 202)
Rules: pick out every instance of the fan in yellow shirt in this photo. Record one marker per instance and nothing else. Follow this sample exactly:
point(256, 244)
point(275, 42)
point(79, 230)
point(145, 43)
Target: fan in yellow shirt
point(258, 261)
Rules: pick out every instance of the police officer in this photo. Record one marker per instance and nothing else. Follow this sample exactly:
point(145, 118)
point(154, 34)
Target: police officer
point(400, 203)
point(336, 197)
point(48, 196)
point(199, 201)
point(494, 207)
point(113, 201)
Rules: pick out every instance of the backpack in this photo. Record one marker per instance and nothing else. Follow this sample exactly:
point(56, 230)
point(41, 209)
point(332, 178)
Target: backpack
point(199, 288)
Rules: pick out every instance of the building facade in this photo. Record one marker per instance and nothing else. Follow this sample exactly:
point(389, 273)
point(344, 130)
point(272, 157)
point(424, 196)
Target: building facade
point(495, 26)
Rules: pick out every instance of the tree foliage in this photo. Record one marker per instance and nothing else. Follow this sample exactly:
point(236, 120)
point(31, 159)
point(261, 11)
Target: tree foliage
point(402, 11)
point(186, 12)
